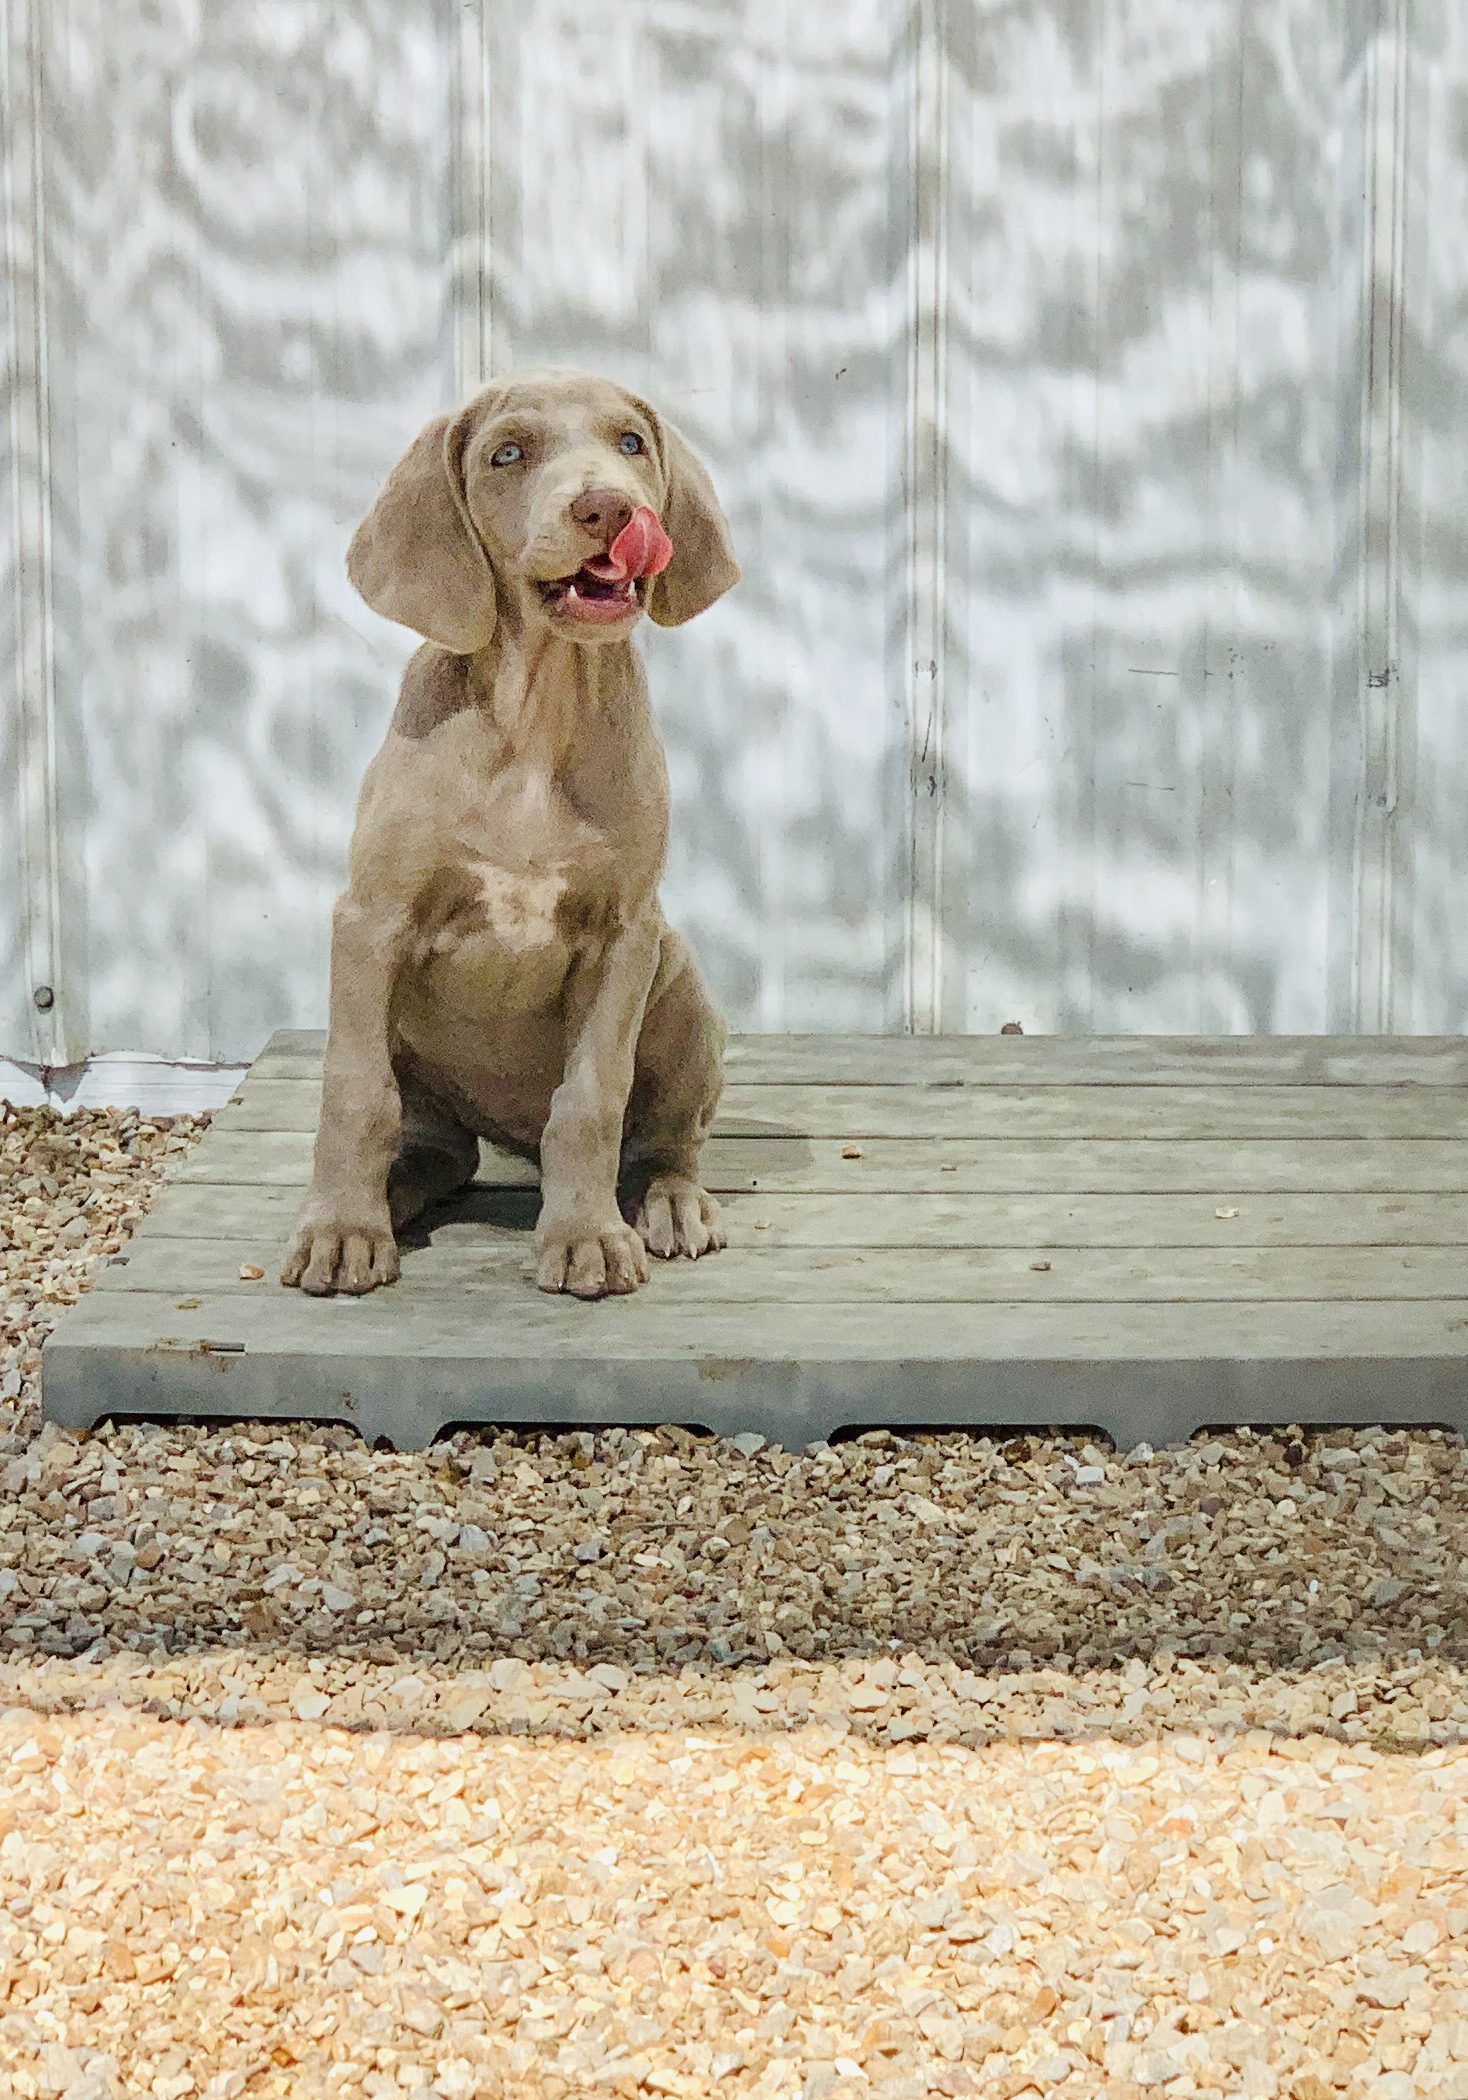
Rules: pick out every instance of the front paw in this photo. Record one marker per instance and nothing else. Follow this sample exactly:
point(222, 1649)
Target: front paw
point(333, 1252)
point(676, 1217)
point(590, 1260)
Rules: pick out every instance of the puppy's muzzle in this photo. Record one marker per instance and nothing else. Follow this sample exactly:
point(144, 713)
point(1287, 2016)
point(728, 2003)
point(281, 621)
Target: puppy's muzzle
point(611, 587)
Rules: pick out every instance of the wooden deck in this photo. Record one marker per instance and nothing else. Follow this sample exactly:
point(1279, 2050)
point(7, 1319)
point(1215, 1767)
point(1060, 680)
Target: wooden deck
point(1144, 1235)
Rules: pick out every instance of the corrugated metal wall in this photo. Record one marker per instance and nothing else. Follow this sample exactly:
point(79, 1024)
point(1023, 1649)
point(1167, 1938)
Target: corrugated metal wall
point(1085, 379)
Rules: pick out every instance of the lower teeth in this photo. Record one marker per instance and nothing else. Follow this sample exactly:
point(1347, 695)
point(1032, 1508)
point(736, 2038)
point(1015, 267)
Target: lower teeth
point(622, 596)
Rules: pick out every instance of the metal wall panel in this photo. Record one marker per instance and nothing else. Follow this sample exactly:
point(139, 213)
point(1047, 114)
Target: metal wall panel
point(1084, 378)
point(1423, 785)
point(1153, 285)
point(706, 199)
point(245, 307)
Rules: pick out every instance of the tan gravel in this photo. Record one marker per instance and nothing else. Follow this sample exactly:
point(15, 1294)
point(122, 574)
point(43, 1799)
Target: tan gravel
point(936, 1765)
point(290, 1910)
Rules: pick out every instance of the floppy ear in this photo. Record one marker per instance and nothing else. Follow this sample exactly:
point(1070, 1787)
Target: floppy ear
point(416, 557)
point(703, 565)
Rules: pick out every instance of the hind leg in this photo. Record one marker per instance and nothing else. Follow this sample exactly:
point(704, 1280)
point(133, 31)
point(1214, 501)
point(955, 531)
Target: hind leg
point(437, 1155)
point(678, 1077)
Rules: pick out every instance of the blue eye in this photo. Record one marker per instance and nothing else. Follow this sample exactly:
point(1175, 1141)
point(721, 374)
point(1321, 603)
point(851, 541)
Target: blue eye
point(508, 455)
point(631, 442)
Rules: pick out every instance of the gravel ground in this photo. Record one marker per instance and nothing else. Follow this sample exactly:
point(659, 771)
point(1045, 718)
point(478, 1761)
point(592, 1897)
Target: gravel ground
point(636, 1762)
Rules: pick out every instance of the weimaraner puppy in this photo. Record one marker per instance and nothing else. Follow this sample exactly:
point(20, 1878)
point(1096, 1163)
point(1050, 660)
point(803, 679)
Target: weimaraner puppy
point(500, 965)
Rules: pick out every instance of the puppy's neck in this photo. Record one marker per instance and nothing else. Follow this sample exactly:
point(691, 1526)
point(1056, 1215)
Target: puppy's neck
point(544, 692)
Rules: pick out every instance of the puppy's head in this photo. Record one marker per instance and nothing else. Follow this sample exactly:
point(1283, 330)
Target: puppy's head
point(556, 501)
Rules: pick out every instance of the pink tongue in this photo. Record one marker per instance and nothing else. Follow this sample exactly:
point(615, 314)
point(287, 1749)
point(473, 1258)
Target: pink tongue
point(641, 548)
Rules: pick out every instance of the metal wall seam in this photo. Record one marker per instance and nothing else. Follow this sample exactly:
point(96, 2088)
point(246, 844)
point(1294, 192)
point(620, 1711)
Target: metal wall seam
point(1381, 698)
point(469, 199)
point(927, 442)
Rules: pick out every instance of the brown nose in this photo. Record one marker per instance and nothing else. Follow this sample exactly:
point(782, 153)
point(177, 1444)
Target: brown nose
point(603, 511)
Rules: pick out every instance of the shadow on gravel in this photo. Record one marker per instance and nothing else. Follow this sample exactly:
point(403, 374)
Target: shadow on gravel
point(1312, 1558)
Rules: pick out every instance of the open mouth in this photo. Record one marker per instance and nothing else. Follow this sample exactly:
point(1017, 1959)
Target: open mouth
point(595, 595)
point(612, 587)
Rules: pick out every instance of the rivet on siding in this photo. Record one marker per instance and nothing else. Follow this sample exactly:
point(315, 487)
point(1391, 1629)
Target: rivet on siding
point(44, 997)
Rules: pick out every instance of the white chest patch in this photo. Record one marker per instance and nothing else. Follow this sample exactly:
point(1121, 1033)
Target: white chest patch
point(501, 945)
point(520, 908)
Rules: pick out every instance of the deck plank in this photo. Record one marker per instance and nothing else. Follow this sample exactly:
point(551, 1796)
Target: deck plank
point(460, 1260)
point(1221, 1218)
point(984, 1166)
point(857, 1111)
point(405, 1370)
point(897, 1060)
point(645, 1326)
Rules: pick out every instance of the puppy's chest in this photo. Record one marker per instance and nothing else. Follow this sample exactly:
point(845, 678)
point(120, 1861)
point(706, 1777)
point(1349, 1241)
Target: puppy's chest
point(528, 881)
